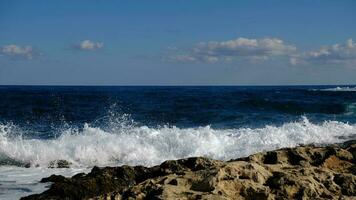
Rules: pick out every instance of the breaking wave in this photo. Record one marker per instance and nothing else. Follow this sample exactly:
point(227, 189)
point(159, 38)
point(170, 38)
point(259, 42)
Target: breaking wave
point(125, 143)
point(340, 89)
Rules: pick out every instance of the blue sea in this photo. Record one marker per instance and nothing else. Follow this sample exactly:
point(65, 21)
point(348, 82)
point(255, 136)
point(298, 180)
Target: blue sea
point(106, 126)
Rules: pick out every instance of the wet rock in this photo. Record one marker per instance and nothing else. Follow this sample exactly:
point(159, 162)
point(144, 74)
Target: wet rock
point(53, 178)
point(347, 182)
point(306, 172)
point(59, 164)
point(6, 160)
point(78, 176)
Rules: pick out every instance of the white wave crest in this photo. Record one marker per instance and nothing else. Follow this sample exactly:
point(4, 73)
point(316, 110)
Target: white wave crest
point(149, 146)
point(340, 89)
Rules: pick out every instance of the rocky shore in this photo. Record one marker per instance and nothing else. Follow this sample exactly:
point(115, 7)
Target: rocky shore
point(305, 172)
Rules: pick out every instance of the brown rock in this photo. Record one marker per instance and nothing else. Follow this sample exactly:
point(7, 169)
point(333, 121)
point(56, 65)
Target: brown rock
point(306, 172)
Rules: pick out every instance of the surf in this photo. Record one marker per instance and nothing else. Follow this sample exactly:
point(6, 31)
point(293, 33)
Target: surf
point(131, 144)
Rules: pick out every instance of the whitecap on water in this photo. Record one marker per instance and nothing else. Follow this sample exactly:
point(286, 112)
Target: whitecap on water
point(340, 89)
point(142, 145)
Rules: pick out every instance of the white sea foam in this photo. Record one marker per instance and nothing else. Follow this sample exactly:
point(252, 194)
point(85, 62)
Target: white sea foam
point(149, 146)
point(16, 182)
point(127, 144)
point(340, 89)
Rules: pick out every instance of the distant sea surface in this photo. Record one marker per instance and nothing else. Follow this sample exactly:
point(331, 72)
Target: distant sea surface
point(102, 126)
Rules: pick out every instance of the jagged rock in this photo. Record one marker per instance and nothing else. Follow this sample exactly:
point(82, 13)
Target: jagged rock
point(347, 183)
point(294, 157)
point(53, 178)
point(59, 164)
point(6, 160)
point(305, 172)
point(253, 193)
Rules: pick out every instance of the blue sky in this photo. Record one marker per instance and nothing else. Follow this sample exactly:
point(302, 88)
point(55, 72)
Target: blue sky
point(177, 42)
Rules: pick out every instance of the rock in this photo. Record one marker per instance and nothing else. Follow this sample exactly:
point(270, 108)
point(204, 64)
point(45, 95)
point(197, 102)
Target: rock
point(173, 182)
point(253, 193)
point(347, 182)
point(6, 160)
point(344, 155)
point(205, 184)
point(53, 178)
point(270, 158)
point(294, 157)
point(337, 165)
point(276, 180)
point(305, 172)
point(59, 164)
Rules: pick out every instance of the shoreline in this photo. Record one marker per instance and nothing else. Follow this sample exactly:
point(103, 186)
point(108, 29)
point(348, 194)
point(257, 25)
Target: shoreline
point(303, 172)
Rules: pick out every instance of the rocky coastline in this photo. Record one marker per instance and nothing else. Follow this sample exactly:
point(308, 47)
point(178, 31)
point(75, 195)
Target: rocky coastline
point(304, 172)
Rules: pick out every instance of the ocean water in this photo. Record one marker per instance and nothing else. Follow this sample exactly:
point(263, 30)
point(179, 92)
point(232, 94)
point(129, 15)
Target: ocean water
point(104, 126)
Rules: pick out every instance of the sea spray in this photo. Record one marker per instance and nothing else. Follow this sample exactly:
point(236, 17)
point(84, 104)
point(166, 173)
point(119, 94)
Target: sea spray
point(142, 145)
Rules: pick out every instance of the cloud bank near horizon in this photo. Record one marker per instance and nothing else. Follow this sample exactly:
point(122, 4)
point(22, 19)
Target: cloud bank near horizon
point(337, 54)
point(258, 50)
point(248, 50)
point(245, 49)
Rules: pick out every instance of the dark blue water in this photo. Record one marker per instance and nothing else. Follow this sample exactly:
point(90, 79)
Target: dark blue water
point(42, 109)
point(100, 126)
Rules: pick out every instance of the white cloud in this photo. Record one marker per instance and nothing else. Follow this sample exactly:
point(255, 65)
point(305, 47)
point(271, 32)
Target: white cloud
point(337, 54)
point(183, 58)
point(87, 45)
point(17, 51)
point(254, 50)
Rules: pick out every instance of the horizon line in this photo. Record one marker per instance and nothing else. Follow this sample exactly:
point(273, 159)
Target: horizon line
point(161, 85)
